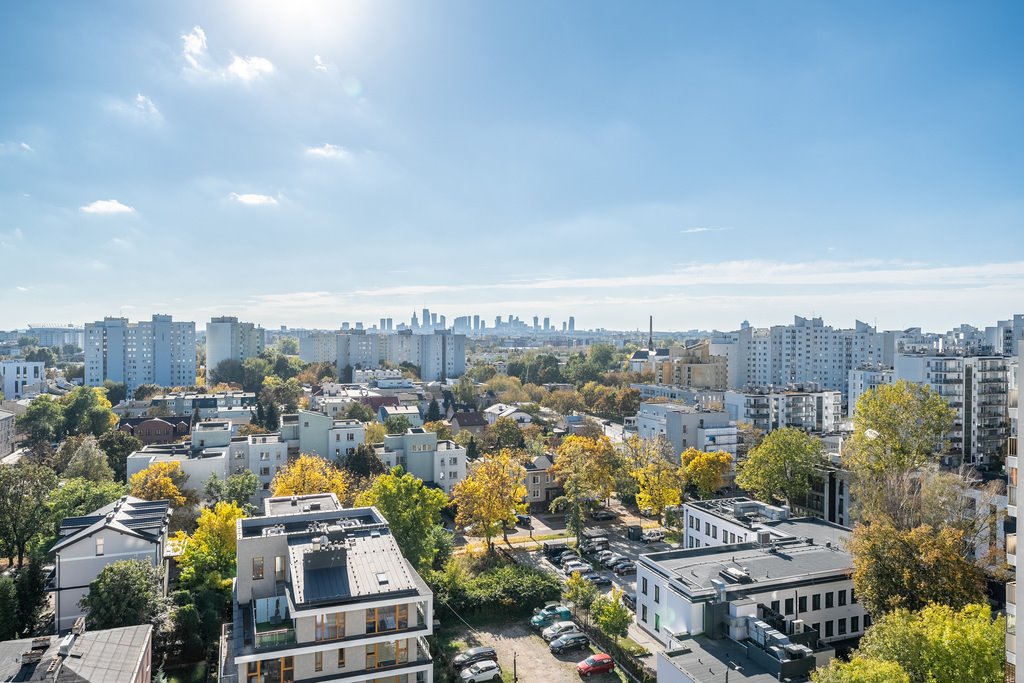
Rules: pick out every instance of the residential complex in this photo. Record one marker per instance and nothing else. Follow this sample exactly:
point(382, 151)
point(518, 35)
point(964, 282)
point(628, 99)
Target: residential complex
point(687, 427)
point(228, 339)
point(323, 593)
point(159, 351)
point(439, 354)
point(769, 408)
point(17, 377)
point(441, 463)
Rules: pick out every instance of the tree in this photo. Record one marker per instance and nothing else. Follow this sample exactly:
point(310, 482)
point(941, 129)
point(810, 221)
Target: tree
point(637, 453)
point(375, 433)
point(237, 489)
point(212, 547)
point(46, 356)
point(43, 421)
point(117, 446)
point(433, 411)
point(611, 615)
point(310, 474)
point(563, 402)
point(87, 411)
point(254, 370)
point(783, 466)
point(659, 485)
point(288, 346)
point(23, 514)
point(895, 569)
point(504, 433)
point(31, 592)
point(89, 462)
point(580, 592)
point(147, 391)
point(250, 429)
point(705, 471)
point(489, 498)
point(860, 670)
point(940, 643)
point(8, 609)
point(126, 593)
point(439, 427)
point(897, 428)
point(160, 481)
point(411, 509)
point(593, 459)
point(272, 420)
point(116, 391)
point(465, 390)
point(363, 462)
point(359, 411)
point(397, 424)
point(78, 497)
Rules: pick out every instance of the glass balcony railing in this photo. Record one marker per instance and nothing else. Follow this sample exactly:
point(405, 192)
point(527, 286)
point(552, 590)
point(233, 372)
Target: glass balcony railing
point(275, 638)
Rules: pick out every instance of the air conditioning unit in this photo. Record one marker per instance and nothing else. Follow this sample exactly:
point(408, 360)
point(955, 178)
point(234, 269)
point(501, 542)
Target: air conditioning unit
point(797, 625)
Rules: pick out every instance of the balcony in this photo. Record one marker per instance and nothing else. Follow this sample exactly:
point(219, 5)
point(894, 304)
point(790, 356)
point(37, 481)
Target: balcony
point(271, 626)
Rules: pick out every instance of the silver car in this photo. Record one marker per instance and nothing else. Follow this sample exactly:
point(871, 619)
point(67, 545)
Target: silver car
point(557, 630)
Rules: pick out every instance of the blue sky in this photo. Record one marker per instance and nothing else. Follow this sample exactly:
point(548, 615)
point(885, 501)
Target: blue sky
point(310, 163)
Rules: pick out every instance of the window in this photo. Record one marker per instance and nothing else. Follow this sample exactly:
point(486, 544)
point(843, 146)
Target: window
point(817, 628)
point(264, 471)
point(257, 568)
point(383, 619)
point(842, 598)
point(816, 601)
point(829, 631)
point(536, 479)
point(775, 606)
point(384, 654)
point(264, 456)
point(535, 493)
point(707, 528)
point(350, 436)
point(341, 658)
point(789, 605)
point(643, 613)
point(318, 661)
point(714, 532)
point(280, 567)
point(829, 601)
point(853, 597)
point(801, 604)
point(657, 594)
point(271, 671)
point(330, 626)
point(643, 585)
point(657, 622)
point(99, 545)
point(854, 624)
point(842, 627)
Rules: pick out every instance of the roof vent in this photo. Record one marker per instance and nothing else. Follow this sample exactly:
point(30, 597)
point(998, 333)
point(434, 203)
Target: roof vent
point(295, 501)
point(314, 506)
point(382, 579)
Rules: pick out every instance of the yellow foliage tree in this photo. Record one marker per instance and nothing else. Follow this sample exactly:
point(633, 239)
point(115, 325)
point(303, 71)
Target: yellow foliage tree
point(705, 470)
point(212, 546)
point(160, 481)
point(659, 485)
point(593, 459)
point(375, 433)
point(310, 474)
point(491, 495)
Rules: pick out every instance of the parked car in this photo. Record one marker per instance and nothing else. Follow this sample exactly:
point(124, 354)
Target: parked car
point(524, 521)
point(549, 615)
point(653, 536)
point(595, 544)
point(555, 548)
point(595, 664)
point(487, 670)
point(621, 560)
point(557, 630)
point(629, 600)
point(597, 579)
point(625, 568)
point(604, 555)
point(603, 515)
point(567, 556)
point(573, 567)
point(570, 641)
point(612, 559)
point(474, 655)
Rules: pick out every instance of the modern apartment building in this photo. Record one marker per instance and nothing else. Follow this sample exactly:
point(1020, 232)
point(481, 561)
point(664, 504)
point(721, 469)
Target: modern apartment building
point(6, 433)
point(159, 351)
point(439, 354)
point(691, 366)
point(770, 408)
point(687, 427)
point(127, 529)
point(865, 379)
point(320, 434)
point(228, 339)
point(209, 406)
point(1014, 637)
point(324, 594)
point(17, 376)
point(419, 452)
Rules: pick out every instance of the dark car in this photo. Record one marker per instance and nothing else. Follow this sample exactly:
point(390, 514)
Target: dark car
point(629, 600)
point(603, 515)
point(597, 579)
point(625, 568)
point(474, 655)
point(524, 521)
point(569, 641)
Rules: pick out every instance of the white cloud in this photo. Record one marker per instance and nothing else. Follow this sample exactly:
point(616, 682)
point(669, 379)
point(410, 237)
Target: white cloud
point(145, 106)
point(329, 151)
point(106, 206)
point(15, 148)
point(25, 146)
point(693, 231)
point(319, 64)
point(194, 49)
point(253, 199)
point(139, 108)
point(20, 288)
point(249, 68)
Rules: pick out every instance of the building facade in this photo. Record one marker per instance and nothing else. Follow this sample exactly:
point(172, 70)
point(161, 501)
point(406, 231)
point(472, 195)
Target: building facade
point(768, 408)
point(6, 433)
point(228, 339)
point(17, 376)
point(159, 351)
point(419, 452)
point(687, 427)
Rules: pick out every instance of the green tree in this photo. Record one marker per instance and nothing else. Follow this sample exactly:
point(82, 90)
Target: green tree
point(782, 466)
point(212, 546)
point(146, 391)
point(43, 421)
point(31, 591)
point(433, 411)
point(363, 462)
point(78, 497)
point(360, 411)
point(23, 513)
point(580, 592)
point(397, 424)
point(237, 489)
point(254, 370)
point(126, 593)
point(940, 643)
point(87, 411)
point(894, 569)
point(465, 390)
point(412, 511)
point(47, 356)
point(705, 470)
point(611, 615)
point(89, 462)
point(288, 346)
point(116, 391)
point(504, 433)
point(272, 419)
point(860, 670)
point(118, 446)
point(228, 371)
point(8, 609)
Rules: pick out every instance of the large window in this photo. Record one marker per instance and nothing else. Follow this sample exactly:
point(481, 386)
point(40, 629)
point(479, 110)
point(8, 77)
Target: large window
point(257, 568)
point(330, 626)
point(387, 654)
point(280, 670)
point(383, 619)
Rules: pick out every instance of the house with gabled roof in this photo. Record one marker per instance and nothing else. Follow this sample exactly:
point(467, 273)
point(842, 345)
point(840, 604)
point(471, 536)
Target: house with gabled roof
point(127, 529)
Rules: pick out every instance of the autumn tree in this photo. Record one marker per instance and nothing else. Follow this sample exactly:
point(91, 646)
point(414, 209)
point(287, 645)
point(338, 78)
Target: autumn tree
point(782, 466)
point(504, 433)
point(117, 446)
point(594, 460)
point(411, 509)
point(491, 494)
point(860, 670)
point(375, 433)
point(160, 481)
point(212, 546)
point(894, 569)
point(611, 615)
point(660, 485)
point(939, 643)
point(126, 593)
point(310, 474)
point(580, 592)
point(23, 513)
point(441, 428)
point(705, 471)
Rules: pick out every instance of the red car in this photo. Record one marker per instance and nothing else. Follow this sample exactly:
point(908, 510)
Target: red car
point(595, 664)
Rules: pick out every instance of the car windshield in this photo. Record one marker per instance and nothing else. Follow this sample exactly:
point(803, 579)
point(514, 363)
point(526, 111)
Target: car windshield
point(591, 661)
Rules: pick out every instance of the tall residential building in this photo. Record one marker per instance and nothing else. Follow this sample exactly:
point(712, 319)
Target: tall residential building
point(228, 339)
point(690, 366)
point(802, 408)
point(17, 375)
point(324, 594)
point(439, 354)
point(159, 351)
point(687, 427)
point(1014, 639)
point(862, 380)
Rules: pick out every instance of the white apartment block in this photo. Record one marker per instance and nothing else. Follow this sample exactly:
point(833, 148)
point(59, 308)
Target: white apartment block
point(209, 406)
point(324, 594)
point(863, 380)
point(159, 351)
point(18, 376)
point(769, 408)
point(323, 435)
point(440, 355)
point(6, 433)
point(1014, 638)
point(977, 388)
point(127, 529)
point(687, 427)
point(228, 339)
point(442, 463)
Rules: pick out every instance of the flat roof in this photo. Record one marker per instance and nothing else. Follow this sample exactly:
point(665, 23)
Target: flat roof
point(288, 505)
point(715, 661)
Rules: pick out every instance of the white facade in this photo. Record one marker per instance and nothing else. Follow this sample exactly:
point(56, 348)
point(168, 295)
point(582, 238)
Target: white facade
point(499, 410)
point(440, 355)
point(1014, 638)
point(863, 380)
point(769, 409)
point(228, 339)
point(17, 376)
point(6, 433)
point(158, 351)
point(687, 427)
point(420, 453)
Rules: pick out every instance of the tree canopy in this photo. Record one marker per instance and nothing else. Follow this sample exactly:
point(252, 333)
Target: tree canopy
point(23, 514)
point(118, 446)
point(411, 509)
point(782, 466)
point(363, 462)
point(160, 481)
point(705, 470)
point(126, 593)
point(212, 546)
point(310, 474)
point(397, 424)
point(491, 495)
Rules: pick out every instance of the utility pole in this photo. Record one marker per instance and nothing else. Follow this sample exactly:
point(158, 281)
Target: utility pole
point(515, 675)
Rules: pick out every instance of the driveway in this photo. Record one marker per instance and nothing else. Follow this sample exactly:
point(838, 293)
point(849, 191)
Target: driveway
point(533, 661)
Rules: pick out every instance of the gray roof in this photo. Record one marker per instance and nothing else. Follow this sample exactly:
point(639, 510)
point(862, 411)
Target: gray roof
point(129, 515)
point(706, 661)
point(111, 656)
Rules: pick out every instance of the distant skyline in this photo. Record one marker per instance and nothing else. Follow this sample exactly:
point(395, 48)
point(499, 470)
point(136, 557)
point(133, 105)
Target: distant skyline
point(308, 163)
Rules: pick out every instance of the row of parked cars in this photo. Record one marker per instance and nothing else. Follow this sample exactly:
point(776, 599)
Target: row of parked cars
point(563, 635)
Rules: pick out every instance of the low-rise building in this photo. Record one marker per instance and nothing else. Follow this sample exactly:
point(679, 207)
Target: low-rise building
point(116, 655)
point(411, 413)
point(499, 410)
point(324, 594)
point(687, 427)
point(150, 430)
point(769, 408)
point(127, 529)
point(209, 406)
point(18, 376)
point(473, 421)
point(440, 463)
point(541, 485)
point(319, 434)
point(6, 433)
